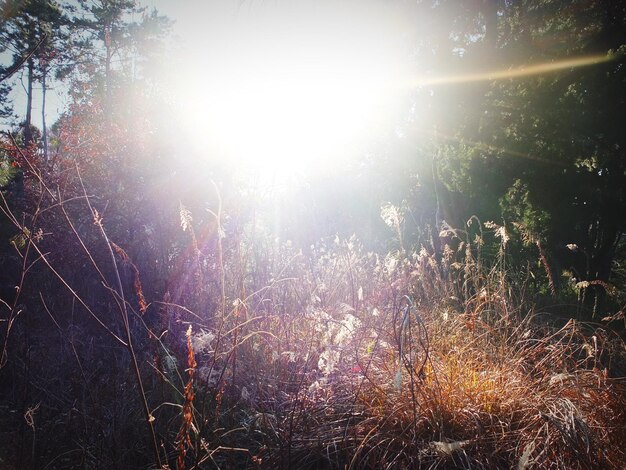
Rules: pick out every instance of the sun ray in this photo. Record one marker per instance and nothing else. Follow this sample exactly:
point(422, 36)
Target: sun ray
point(519, 72)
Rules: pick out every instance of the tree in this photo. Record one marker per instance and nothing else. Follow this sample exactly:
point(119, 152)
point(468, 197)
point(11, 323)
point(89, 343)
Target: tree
point(551, 141)
point(32, 31)
point(109, 43)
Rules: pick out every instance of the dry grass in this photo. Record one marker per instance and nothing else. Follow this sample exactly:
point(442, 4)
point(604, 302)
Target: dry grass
point(491, 399)
point(338, 358)
point(344, 378)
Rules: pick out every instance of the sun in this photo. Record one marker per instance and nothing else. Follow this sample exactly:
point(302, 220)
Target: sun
point(294, 89)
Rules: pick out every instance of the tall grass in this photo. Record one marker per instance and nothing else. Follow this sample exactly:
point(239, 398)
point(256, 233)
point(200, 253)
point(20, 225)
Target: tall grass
point(258, 354)
point(350, 359)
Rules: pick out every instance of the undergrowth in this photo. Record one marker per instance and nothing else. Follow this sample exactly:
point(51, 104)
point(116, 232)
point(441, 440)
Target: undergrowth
point(260, 354)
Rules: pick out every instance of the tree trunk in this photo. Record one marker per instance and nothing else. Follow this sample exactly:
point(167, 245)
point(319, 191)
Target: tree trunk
point(28, 135)
point(107, 70)
point(43, 115)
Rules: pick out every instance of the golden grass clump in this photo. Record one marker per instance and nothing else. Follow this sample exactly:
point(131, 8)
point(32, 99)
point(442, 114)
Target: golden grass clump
point(484, 401)
point(443, 383)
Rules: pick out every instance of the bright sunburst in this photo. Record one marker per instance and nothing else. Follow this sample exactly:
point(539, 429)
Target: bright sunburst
point(296, 87)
